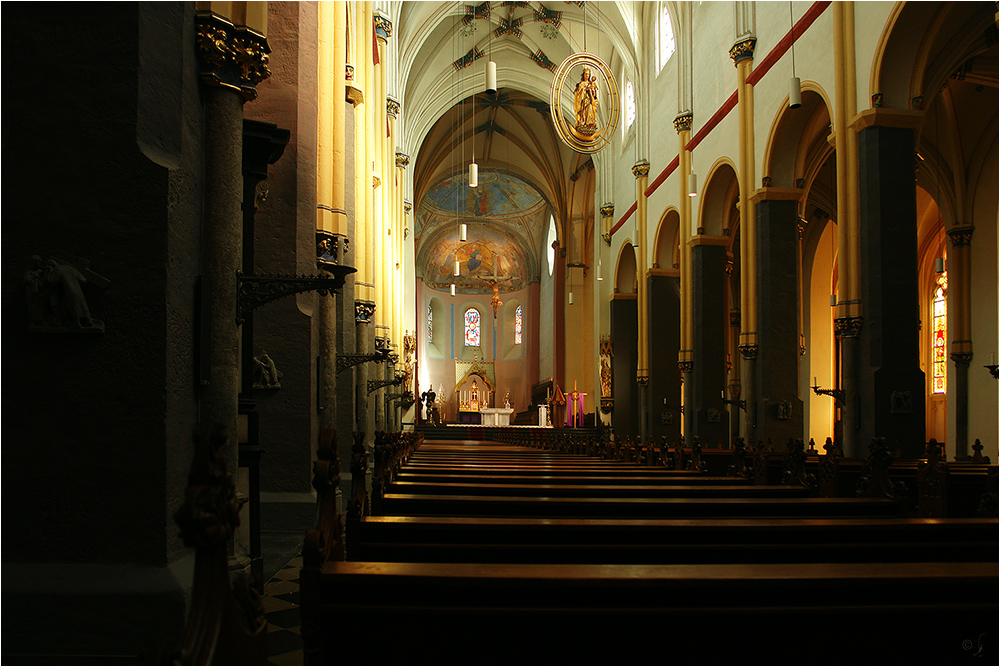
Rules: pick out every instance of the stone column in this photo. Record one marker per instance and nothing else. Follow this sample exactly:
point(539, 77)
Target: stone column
point(779, 408)
point(682, 124)
point(229, 83)
point(368, 307)
point(331, 216)
point(742, 55)
point(641, 172)
point(664, 331)
point(960, 322)
point(624, 330)
point(709, 418)
point(891, 389)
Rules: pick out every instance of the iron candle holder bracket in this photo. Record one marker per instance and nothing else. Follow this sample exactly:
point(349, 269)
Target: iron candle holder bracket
point(838, 394)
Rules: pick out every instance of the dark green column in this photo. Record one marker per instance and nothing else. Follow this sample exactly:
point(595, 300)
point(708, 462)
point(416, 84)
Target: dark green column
point(664, 343)
point(625, 389)
point(779, 408)
point(891, 389)
point(710, 419)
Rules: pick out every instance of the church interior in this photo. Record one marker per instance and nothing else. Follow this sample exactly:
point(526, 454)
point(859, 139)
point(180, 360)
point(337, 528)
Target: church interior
point(295, 253)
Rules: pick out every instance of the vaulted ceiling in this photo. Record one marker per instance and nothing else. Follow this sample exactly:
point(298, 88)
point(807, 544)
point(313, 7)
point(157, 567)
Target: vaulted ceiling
point(450, 119)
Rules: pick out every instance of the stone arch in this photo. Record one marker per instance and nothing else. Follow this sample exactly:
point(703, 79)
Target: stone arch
point(718, 200)
point(666, 245)
point(625, 270)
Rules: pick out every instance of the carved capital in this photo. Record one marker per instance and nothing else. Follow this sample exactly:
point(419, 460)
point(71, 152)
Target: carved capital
point(683, 122)
point(402, 160)
point(407, 206)
point(349, 73)
point(392, 106)
point(961, 358)
point(743, 49)
point(685, 366)
point(848, 326)
point(640, 169)
point(607, 238)
point(363, 311)
point(383, 26)
point(748, 352)
point(230, 56)
point(608, 210)
point(961, 236)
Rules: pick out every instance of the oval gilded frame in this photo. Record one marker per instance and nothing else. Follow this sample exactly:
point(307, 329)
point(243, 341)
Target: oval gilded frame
point(571, 137)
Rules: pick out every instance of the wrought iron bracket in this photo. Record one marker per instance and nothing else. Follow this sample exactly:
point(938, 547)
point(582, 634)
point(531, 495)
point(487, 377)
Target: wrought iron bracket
point(741, 403)
point(838, 394)
point(254, 291)
point(347, 360)
point(375, 385)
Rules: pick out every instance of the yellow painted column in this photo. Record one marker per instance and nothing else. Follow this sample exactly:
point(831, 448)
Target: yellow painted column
point(853, 177)
point(845, 271)
point(641, 172)
point(742, 55)
point(682, 124)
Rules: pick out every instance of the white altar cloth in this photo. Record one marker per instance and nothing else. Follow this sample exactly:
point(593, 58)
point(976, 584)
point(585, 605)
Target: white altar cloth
point(495, 416)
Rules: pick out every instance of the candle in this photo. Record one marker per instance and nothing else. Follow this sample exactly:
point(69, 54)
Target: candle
point(815, 383)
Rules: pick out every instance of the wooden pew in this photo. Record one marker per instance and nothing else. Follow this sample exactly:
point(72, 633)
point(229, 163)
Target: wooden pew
point(835, 613)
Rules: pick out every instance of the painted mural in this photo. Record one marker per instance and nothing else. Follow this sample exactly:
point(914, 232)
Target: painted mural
point(498, 195)
point(486, 256)
point(504, 217)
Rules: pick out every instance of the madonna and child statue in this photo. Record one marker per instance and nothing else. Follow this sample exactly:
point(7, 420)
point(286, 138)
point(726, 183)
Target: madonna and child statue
point(585, 101)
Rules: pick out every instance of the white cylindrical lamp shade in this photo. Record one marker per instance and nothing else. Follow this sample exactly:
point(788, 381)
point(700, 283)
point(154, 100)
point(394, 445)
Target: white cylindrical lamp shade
point(795, 93)
point(463, 232)
point(833, 299)
point(453, 289)
point(571, 298)
point(458, 267)
point(692, 184)
point(473, 175)
point(491, 77)
point(939, 265)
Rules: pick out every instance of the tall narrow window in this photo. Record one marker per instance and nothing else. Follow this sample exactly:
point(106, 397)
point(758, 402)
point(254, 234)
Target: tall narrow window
point(430, 324)
point(939, 330)
point(629, 104)
point(665, 38)
point(472, 328)
point(517, 326)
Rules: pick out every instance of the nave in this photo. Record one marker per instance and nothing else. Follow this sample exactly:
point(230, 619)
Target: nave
point(484, 552)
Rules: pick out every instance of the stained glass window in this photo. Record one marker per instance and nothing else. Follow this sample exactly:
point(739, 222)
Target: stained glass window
point(666, 37)
point(939, 329)
point(430, 324)
point(517, 326)
point(629, 105)
point(472, 328)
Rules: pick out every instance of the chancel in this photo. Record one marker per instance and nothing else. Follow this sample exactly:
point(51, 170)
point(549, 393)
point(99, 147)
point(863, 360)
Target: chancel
point(405, 332)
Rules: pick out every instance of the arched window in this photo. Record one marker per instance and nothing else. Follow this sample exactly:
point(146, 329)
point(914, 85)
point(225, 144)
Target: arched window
point(517, 326)
point(472, 328)
point(430, 324)
point(550, 252)
point(939, 333)
point(665, 45)
point(629, 104)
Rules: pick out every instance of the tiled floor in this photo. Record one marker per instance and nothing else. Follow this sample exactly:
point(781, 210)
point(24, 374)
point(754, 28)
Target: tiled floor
point(281, 609)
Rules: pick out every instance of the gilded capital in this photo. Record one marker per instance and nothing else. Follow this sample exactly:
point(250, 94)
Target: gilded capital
point(407, 206)
point(683, 122)
point(392, 107)
point(640, 168)
point(230, 56)
point(402, 160)
point(848, 327)
point(961, 235)
point(608, 210)
point(383, 26)
point(743, 49)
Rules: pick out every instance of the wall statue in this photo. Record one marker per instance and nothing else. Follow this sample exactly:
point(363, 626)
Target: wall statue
point(265, 374)
point(55, 298)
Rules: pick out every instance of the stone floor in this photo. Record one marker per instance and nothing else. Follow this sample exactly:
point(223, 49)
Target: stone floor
point(282, 562)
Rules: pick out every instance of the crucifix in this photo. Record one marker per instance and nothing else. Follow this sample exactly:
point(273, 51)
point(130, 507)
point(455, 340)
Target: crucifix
point(495, 284)
point(574, 415)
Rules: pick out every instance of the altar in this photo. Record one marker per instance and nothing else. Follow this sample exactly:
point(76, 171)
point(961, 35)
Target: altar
point(495, 416)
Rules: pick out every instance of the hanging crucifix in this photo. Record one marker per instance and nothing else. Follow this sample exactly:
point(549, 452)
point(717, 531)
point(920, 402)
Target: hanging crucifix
point(494, 282)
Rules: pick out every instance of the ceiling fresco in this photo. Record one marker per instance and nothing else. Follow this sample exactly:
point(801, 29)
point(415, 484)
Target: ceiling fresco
point(505, 219)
